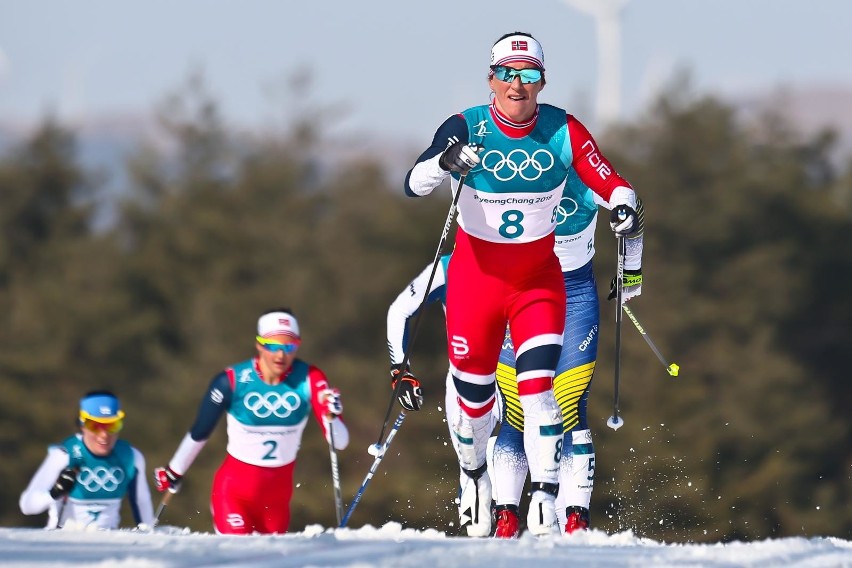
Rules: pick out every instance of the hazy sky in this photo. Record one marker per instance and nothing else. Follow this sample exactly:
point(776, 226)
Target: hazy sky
point(399, 67)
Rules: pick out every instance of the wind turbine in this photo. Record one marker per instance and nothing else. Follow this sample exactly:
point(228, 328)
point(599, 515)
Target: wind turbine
point(607, 15)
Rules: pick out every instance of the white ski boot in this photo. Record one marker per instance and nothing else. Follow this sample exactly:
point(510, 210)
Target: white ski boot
point(475, 502)
point(541, 518)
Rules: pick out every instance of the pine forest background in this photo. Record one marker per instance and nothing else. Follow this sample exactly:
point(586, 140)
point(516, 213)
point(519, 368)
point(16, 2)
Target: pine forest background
point(747, 268)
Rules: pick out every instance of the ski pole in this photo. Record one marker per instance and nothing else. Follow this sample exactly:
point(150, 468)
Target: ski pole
point(614, 421)
point(335, 473)
point(377, 450)
point(164, 502)
point(451, 215)
point(672, 368)
point(59, 521)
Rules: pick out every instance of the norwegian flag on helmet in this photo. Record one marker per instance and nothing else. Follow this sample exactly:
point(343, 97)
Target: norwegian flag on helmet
point(520, 45)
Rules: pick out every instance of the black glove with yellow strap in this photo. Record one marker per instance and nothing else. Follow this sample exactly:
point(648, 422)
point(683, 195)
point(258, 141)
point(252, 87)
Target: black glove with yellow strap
point(632, 285)
point(632, 222)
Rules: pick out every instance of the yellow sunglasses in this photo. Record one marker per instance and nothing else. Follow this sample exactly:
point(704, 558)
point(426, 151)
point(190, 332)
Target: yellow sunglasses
point(108, 427)
point(275, 346)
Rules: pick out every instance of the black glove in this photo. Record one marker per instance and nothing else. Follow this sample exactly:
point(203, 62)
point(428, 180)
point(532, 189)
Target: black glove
point(166, 479)
point(64, 483)
point(623, 220)
point(460, 157)
point(632, 285)
point(409, 395)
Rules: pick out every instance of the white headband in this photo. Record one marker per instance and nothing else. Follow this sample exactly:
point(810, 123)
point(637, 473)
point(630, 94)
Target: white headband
point(277, 323)
point(518, 48)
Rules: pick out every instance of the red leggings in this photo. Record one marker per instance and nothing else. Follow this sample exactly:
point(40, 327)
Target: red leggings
point(249, 498)
point(489, 284)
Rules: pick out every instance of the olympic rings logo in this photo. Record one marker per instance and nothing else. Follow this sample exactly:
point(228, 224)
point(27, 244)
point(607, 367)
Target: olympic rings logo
point(100, 477)
point(565, 209)
point(518, 162)
point(265, 405)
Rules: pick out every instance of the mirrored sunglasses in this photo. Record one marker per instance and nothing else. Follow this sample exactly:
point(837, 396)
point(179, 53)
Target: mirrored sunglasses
point(508, 74)
point(275, 347)
point(110, 428)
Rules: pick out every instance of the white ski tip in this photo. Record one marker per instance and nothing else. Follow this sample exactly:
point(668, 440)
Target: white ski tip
point(615, 422)
point(374, 450)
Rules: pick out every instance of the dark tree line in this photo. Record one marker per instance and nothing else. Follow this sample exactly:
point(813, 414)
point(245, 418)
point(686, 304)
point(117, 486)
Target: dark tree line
point(745, 268)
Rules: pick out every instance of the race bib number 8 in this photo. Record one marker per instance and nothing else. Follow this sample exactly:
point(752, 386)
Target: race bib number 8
point(512, 227)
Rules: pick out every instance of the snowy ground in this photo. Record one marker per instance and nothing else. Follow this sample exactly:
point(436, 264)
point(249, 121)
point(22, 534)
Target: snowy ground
point(391, 546)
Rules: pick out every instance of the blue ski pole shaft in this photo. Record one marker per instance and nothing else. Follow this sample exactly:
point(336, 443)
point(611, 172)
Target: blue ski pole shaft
point(451, 215)
point(379, 456)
